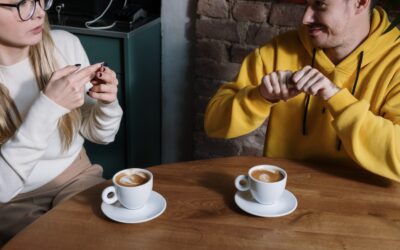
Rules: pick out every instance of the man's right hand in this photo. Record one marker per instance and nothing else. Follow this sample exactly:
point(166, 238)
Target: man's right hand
point(66, 86)
point(278, 86)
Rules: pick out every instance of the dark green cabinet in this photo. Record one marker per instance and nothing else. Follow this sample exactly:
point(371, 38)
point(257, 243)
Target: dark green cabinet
point(136, 58)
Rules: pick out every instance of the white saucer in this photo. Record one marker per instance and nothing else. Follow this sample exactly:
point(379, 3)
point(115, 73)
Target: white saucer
point(286, 204)
point(154, 207)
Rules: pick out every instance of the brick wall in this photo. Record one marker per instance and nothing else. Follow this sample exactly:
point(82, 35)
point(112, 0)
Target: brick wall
point(226, 31)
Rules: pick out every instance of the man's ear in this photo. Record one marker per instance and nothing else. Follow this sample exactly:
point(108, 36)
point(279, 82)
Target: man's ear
point(362, 5)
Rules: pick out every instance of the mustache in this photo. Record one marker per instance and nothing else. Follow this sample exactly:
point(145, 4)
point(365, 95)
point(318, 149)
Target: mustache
point(316, 26)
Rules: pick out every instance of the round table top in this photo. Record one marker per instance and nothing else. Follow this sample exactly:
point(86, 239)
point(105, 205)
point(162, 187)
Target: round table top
point(339, 207)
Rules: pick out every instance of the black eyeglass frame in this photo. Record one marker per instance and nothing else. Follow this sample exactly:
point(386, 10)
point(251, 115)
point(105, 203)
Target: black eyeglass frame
point(34, 7)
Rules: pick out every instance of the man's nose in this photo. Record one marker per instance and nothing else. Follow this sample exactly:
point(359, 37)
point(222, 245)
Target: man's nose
point(308, 16)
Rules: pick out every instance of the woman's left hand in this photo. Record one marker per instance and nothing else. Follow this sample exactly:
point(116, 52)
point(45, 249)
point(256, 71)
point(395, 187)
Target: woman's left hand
point(105, 85)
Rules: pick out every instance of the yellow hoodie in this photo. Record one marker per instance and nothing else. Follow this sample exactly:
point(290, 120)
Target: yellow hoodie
point(363, 126)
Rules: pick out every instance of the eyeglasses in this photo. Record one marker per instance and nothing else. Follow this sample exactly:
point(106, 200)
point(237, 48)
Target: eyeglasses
point(26, 8)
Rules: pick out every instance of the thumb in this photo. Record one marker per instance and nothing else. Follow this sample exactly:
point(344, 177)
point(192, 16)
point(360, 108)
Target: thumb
point(63, 72)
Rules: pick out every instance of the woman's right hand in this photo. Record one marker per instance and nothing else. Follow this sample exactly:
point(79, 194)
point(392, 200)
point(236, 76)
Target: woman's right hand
point(66, 86)
point(278, 86)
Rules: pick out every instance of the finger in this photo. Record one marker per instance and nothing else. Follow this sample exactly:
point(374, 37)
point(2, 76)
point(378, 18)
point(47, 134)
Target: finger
point(306, 77)
point(313, 79)
point(104, 88)
point(299, 74)
point(86, 74)
point(107, 77)
point(267, 84)
point(283, 85)
point(67, 70)
point(275, 84)
point(107, 70)
point(106, 97)
point(319, 85)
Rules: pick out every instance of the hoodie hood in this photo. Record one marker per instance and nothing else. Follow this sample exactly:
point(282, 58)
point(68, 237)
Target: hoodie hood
point(376, 44)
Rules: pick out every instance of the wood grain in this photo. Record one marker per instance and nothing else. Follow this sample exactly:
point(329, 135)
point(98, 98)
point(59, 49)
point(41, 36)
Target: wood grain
point(340, 207)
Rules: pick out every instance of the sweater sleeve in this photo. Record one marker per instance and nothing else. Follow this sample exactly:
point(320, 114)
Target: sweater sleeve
point(21, 153)
point(238, 107)
point(100, 122)
point(373, 141)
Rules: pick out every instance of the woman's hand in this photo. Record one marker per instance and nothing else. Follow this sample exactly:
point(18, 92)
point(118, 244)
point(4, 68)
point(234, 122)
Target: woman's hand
point(105, 86)
point(66, 86)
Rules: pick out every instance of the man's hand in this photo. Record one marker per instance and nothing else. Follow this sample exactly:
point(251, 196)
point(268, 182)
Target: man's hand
point(313, 82)
point(278, 86)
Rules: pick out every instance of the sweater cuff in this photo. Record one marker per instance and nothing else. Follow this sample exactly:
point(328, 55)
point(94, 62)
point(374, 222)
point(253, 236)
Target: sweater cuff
point(110, 109)
point(340, 101)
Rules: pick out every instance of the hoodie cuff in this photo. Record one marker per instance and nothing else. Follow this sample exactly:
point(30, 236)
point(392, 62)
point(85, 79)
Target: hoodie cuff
point(258, 100)
point(339, 102)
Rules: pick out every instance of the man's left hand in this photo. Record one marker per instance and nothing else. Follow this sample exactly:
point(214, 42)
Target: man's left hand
point(313, 82)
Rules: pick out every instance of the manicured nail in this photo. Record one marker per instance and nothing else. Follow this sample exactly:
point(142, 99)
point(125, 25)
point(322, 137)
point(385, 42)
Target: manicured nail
point(77, 65)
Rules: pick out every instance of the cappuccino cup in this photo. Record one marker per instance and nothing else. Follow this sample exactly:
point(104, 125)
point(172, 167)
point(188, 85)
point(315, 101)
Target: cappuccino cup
point(132, 188)
point(265, 182)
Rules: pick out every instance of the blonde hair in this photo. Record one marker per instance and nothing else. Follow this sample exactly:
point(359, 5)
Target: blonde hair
point(44, 63)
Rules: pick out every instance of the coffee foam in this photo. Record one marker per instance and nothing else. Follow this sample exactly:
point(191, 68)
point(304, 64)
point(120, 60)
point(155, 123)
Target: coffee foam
point(132, 178)
point(265, 175)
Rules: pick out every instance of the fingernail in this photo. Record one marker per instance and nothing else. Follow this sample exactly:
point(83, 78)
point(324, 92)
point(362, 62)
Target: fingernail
point(77, 65)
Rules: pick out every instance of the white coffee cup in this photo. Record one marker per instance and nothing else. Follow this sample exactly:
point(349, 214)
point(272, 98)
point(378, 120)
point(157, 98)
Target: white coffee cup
point(263, 192)
point(131, 197)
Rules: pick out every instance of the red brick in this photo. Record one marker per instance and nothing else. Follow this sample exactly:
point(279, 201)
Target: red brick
point(218, 71)
point(217, 30)
point(213, 8)
point(259, 35)
point(251, 11)
point(287, 14)
point(212, 50)
point(239, 52)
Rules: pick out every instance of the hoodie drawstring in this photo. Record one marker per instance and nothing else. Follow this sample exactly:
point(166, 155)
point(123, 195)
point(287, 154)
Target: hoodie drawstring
point(307, 101)
point(353, 90)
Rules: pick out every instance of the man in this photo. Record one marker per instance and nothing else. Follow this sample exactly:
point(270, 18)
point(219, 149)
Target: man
point(331, 90)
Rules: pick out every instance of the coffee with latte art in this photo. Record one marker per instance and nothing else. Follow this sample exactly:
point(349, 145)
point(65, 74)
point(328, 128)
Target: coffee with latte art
point(267, 175)
point(131, 179)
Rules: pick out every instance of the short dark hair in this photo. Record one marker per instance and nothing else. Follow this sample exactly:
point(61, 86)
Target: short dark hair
point(373, 4)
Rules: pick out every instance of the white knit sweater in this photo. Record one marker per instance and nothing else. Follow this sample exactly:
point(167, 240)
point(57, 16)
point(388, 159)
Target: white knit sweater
point(34, 156)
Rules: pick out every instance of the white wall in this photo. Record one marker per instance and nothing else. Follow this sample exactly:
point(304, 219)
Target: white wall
point(177, 79)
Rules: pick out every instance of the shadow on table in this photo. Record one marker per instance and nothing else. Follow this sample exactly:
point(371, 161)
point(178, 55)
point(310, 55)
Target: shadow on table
point(223, 184)
point(351, 172)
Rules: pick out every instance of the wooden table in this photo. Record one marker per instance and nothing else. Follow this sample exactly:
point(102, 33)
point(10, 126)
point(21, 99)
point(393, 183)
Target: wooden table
point(340, 207)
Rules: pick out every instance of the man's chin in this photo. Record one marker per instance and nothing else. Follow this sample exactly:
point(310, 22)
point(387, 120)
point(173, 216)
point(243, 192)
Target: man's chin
point(318, 44)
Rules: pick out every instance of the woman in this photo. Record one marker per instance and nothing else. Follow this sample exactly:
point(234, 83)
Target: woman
point(45, 114)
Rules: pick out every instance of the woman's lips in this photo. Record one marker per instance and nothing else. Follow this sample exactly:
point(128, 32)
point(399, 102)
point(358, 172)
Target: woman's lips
point(37, 30)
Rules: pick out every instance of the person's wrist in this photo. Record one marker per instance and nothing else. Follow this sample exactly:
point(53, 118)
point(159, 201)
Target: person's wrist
point(265, 96)
point(335, 89)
